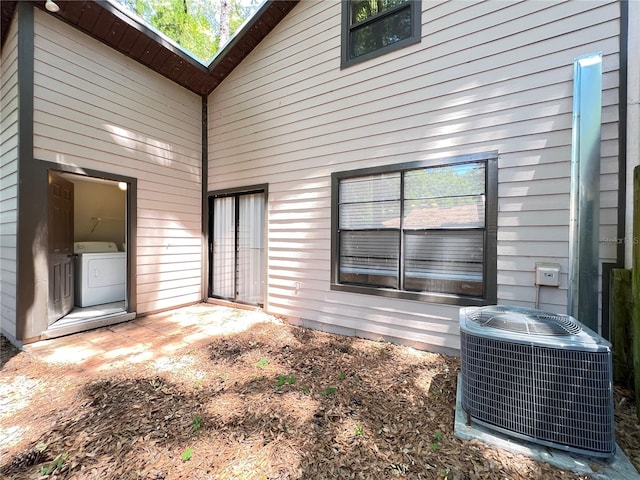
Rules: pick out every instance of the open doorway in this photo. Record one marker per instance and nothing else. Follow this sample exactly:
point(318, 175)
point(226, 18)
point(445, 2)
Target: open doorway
point(87, 249)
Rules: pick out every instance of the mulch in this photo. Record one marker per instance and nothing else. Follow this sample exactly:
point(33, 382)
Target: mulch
point(272, 402)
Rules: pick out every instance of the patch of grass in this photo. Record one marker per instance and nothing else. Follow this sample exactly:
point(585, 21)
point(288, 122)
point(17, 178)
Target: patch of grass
point(187, 454)
point(329, 391)
point(437, 437)
point(57, 463)
point(197, 423)
point(359, 431)
point(305, 388)
point(262, 363)
point(342, 376)
point(282, 379)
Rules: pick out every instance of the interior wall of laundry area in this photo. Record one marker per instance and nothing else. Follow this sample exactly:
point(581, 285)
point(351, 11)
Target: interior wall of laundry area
point(99, 213)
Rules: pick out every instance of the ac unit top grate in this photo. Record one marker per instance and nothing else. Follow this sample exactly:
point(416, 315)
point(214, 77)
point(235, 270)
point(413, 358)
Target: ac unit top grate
point(524, 321)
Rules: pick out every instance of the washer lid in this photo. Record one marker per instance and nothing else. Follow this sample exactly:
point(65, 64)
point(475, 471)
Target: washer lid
point(94, 247)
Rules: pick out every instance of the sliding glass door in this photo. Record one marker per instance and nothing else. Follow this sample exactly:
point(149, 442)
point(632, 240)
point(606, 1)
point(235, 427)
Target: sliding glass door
point(237, 246)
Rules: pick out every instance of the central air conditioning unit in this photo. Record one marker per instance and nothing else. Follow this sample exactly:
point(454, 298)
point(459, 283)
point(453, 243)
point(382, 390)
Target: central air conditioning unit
point(538, 376)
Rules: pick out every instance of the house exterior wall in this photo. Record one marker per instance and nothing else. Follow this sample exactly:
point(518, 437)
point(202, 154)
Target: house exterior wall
point(9, 182)
point(486, 76)
point(97, 109)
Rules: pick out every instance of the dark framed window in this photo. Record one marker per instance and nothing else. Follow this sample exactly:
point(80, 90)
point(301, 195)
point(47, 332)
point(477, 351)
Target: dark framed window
point(375, 27)
point(418, 231)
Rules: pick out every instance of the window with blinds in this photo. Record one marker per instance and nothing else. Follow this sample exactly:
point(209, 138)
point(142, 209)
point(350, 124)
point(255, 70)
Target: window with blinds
point(424, 230)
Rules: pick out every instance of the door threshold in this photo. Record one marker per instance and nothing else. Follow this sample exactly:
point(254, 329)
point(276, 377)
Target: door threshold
point(66, 326)
point(229, 303)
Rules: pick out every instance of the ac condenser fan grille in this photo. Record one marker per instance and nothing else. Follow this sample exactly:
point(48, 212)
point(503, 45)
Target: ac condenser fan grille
point(525, 321)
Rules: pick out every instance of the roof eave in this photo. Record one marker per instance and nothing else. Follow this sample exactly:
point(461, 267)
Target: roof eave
point(124, 34)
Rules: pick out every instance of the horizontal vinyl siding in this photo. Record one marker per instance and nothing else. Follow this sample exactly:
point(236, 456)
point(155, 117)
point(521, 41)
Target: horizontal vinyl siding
point(9, 182)
point(486, 76)
point(97, 109)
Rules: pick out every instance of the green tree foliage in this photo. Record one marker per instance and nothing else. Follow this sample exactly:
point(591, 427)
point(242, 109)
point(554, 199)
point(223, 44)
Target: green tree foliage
point(192, 24)
point(444, 187)
point(379, 25)
point(450, 181)
point(363, 9)
point(239, 13)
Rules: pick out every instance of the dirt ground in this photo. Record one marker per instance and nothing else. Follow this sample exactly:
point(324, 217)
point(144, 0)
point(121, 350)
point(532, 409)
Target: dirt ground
point(272, 402)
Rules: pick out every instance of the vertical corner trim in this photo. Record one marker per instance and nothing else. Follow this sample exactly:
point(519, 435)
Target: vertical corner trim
point(26, 224)
point(204, 277)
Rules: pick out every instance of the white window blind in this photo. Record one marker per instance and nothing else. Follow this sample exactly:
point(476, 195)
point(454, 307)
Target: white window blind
point(417, 230)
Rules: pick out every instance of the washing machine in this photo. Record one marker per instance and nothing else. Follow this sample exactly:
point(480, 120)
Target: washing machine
point(101, 272)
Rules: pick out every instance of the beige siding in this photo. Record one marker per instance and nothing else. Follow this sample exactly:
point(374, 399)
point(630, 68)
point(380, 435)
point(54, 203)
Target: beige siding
point(9, 181)
point(486, 76)
point(97, 109)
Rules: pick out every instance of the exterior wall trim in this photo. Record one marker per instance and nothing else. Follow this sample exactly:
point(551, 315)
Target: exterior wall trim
point(204, 178)
point(605, 329)
point(29, 209)
point(622, 130)
point(250, 188)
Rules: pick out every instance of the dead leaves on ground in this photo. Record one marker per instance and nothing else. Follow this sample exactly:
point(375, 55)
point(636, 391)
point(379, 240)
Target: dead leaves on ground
point(274, 402)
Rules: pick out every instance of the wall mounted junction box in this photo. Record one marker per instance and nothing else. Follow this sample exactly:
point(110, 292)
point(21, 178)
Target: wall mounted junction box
point(548, 274)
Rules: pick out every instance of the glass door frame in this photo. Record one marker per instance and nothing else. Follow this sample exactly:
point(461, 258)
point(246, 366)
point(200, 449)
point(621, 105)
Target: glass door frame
point(236, 193)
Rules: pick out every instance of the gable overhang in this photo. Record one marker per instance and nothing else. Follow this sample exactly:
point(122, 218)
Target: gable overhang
point(111, 26)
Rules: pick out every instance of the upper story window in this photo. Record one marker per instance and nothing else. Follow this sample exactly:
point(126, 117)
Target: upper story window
point(374, 27)
point(418, 232)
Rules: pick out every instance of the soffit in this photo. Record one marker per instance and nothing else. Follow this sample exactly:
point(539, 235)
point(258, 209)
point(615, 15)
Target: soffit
point(109, 25)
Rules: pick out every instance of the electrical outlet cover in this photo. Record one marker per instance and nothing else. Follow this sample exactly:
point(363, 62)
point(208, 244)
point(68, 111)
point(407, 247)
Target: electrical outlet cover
point(548, 274)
